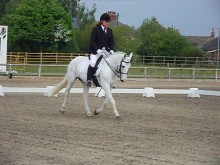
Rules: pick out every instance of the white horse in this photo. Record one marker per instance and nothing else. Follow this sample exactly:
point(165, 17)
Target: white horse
point(115, 65)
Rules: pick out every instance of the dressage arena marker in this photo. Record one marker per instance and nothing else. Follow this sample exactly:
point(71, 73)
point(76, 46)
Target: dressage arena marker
point(146, 92)
point(1, 91)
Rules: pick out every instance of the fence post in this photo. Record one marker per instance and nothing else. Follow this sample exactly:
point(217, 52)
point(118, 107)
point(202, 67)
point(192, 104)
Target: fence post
point(56, 58)
point(193, 73)
point(41, 58)
point(175, 61)
point(39, 71)
point(169, 73)
point(145, 72)
point(216, 74)
point(153, 60)
point(10, 71)
point(185, 60)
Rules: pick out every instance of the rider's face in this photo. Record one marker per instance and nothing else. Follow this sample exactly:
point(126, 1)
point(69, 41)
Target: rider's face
point(105, 23)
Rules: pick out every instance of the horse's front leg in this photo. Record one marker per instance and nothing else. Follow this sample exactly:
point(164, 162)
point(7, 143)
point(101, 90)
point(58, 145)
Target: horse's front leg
point(85, 99)
point(112, 101)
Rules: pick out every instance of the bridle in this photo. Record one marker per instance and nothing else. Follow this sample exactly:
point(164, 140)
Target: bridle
point(117, 72)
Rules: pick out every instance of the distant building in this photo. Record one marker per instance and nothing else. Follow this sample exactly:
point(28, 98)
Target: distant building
point(209, 44)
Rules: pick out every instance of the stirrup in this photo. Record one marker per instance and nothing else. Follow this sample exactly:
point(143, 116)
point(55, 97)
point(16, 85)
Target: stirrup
point(89, 83)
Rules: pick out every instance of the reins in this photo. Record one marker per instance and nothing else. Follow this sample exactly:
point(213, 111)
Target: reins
point(117, 73)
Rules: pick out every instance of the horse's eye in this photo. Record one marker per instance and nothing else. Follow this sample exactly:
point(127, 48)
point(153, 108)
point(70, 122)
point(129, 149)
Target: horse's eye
point(123, 66)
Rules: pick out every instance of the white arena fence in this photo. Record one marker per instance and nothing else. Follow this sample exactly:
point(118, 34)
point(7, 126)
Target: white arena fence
point(146, 92)
point(134, 72)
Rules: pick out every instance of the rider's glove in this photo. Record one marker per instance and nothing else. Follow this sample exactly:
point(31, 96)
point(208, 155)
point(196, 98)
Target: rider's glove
point(105, 53)
point(112, 52)
point(99, 51)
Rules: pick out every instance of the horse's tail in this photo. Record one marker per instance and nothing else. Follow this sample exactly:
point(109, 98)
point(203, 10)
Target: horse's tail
point(58, 87)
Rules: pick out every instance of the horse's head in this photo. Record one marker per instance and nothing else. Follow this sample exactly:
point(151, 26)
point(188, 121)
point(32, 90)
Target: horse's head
point(125, 64)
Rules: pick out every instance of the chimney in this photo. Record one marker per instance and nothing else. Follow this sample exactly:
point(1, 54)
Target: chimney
point(112, 15)
point(213, 33)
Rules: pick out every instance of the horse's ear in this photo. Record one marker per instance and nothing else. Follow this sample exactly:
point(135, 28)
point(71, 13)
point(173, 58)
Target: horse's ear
point(131, 54)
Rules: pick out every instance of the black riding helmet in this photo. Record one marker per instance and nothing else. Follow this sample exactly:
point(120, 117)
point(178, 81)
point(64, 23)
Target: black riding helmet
point(105, 17)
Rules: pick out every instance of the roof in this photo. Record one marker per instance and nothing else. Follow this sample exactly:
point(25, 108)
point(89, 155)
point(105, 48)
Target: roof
point(199, 40)
point(211, 45)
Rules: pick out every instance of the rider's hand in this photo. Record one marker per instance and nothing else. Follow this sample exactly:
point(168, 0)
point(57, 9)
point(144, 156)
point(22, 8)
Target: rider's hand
point(99, 51)
point(112, 52)
point(105, 53)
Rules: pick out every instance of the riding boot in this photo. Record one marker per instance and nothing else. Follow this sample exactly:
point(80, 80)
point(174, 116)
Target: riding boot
point(89, 76)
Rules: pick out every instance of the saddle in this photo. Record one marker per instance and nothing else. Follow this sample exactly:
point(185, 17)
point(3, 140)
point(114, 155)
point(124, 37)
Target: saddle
point(83, 68)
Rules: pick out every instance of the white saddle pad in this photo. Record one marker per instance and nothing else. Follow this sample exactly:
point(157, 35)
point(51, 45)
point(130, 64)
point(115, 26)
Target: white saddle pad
point(83, 68)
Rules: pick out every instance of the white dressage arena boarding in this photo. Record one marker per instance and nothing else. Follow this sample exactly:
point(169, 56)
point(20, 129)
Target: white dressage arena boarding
point(146, 92)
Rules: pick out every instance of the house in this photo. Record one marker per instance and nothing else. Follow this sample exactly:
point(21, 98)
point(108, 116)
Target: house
point(211, 49)
point(209, 44)
point(199, 41)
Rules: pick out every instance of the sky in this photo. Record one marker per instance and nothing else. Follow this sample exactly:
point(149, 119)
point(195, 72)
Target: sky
point(191, 17)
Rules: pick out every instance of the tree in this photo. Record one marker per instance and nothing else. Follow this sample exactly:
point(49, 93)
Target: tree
point(150, 34)
point(125, 39)
point(156, 40)
point(40, 27)
point(85, 15)
point(83, 37)
point(2, 7)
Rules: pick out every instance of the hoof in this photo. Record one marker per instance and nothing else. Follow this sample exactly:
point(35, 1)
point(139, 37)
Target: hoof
point(95, 112)
point(62, 112)
point(89, 114)
point(117, 117)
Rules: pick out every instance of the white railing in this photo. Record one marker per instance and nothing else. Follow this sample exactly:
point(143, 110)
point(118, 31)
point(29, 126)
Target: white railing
point(134, 72)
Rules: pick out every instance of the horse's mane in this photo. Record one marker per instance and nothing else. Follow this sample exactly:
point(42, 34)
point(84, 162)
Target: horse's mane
point(117, 54)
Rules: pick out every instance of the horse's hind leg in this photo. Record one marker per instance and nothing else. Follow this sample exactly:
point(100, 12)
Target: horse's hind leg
point(68, 88)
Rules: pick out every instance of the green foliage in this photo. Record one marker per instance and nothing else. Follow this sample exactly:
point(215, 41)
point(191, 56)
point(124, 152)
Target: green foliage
point(83, 37)
point(2, 7)
point(87, 17)
point(156, 40)
point(125, 39)
point(150, 34)
point(70, 6)
point(34, 27)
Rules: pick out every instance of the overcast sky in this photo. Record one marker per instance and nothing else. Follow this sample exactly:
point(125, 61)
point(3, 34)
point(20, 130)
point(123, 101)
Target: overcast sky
point(191, 17)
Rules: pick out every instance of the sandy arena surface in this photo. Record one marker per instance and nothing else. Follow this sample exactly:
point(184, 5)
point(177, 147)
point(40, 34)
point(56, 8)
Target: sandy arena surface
point(165, 130)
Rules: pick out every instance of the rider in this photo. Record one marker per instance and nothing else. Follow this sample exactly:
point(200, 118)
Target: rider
point(101, 43)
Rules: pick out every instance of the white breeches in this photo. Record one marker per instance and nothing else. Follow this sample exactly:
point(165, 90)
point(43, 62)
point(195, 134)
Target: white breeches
point(93, 59)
